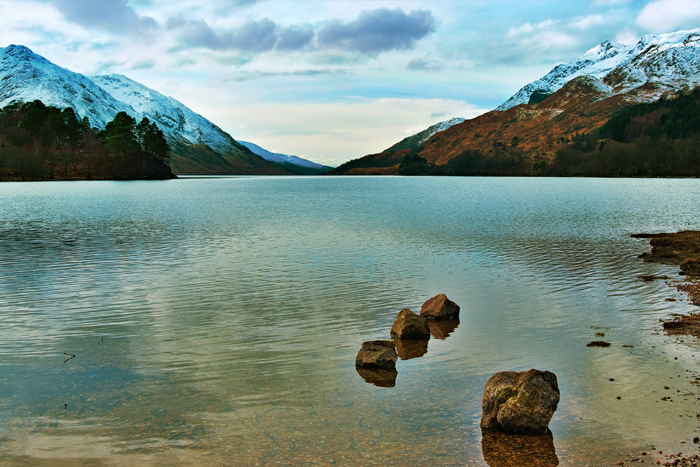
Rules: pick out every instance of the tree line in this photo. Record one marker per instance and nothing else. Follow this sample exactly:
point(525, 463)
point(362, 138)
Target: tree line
point(39, 142)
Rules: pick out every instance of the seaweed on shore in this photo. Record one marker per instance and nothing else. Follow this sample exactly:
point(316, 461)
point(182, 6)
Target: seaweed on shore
point(598, 344)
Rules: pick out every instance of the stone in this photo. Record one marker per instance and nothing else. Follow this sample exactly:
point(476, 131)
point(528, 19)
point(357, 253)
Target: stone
point(377, 354)
point(440, 307)
point(519, 402)
point(409, 325)
point(411, 348)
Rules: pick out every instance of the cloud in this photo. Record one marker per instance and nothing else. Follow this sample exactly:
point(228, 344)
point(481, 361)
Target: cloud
point(668, 16)
point(253, 36)
point(255, 75)
point(377, 31)
point(420, 64)
point(437, 115)
point(295, 39)
point(112, 15)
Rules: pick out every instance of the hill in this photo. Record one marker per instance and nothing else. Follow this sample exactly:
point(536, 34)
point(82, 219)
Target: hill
point(198, 146)
point(572, 99)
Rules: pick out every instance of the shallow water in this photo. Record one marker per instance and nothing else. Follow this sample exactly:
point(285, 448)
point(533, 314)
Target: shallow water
point(215, 321)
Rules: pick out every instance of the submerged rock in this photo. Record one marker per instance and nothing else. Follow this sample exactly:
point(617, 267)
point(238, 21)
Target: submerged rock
point(440, 307)
point(377, 354)
point(383, 378)
point(519, 402)
point(411, 348)
point(409, 325)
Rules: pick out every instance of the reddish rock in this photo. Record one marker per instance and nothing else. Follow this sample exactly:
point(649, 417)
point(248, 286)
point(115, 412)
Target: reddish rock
point(409, 325)
point(377, 354)
point(440, 307)
point(519, 403)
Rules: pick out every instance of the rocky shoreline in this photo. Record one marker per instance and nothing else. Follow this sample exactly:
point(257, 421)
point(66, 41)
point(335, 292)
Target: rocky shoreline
point(682, 249)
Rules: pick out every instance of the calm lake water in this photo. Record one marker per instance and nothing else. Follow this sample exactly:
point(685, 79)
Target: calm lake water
point(215, 321)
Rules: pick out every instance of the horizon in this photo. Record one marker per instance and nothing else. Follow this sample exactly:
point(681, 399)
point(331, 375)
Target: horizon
point(330, 81)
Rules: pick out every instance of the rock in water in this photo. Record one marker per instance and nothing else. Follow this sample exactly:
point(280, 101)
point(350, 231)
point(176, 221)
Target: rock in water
point(377, 354)
point(409, 325)
point(440, 307)
point(519, 403)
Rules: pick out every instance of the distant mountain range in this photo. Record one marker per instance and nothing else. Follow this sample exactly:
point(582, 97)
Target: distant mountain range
point(295, 163)
point(199, 146)
point(573, 98)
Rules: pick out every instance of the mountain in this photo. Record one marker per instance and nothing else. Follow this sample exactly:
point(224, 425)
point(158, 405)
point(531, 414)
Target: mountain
point(420, 138)
point(198, 146)
point(668, 60)
point(291, 162)
point(573, 98)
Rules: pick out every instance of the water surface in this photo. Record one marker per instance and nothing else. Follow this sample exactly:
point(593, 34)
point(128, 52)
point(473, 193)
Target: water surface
point(215, 321)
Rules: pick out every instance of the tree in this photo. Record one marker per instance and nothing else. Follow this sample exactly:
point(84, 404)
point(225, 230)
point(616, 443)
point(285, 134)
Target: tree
point(119, 135)
point(514, 142)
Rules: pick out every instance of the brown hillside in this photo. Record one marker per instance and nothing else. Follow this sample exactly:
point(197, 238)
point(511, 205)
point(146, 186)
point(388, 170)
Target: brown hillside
point(200, 159)
point(579, 107)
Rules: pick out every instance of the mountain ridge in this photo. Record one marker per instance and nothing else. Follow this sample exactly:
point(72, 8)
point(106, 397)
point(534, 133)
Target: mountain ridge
point(26, 76)
point(663, 65)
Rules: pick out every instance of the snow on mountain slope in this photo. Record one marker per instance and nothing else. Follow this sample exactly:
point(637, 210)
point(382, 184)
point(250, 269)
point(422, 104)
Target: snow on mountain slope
point(26, 76)
point(171, 116)
point(667, 60)
point(420, 138)
point(280, 158)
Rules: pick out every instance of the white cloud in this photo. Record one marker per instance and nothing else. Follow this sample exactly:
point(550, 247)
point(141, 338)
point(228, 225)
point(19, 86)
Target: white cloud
point(663, 16)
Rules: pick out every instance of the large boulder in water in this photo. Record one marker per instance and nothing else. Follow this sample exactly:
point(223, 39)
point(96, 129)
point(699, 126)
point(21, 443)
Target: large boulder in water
point(409, 325)
point(377, 354)
point(519, 403)
point(440, 307)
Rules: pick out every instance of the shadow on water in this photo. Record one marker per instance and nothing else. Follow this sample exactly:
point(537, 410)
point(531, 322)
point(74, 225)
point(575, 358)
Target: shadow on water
point(382, 378)
point(505, 450)
point(441, 329)
point(411, 348)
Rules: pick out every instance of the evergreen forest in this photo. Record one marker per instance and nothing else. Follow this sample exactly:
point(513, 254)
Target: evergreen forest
point(39, 142)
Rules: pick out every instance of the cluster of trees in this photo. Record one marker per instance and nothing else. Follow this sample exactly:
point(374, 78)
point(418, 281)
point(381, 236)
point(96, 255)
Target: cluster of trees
point(658, 139)
point(501, 160)
point(39, 142)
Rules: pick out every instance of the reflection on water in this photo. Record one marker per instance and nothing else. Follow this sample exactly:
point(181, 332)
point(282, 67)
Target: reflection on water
point(505, 450)
point(216, 321)
point(441, 329)
point(384, 378)
point(411, 348)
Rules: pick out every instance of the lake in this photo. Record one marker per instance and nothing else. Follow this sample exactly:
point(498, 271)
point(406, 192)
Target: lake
point(215, 320)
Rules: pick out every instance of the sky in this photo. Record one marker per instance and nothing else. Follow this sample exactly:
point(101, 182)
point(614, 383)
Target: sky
point(330, 81)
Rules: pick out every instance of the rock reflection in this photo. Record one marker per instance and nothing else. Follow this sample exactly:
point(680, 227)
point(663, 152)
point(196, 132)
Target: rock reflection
point(411, 348)
point(441, 329)
point(504, 450)
point(384, 378)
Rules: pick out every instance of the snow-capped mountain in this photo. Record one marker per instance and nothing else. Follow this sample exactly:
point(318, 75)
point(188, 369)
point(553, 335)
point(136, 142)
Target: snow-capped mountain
point(280, 158)
point(26, 76)
point(171, 116)
point(669, 61)
point(198, 145)
point(420, 138)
